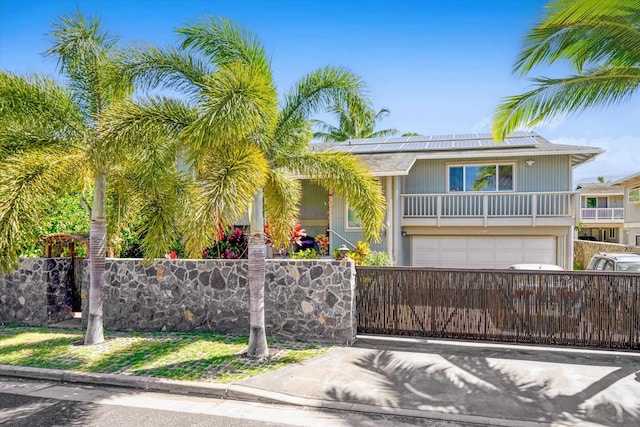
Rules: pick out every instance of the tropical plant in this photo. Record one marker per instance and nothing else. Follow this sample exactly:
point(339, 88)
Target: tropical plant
point(356, 119)
point(49, 145)
point(231, 245)
point(599, 38)
point(305, 254)
point(359, 253)
point(243, 148)
point(323, 243)
point(378, 259)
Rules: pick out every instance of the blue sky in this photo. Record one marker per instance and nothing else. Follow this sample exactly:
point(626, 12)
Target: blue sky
point(440, 67)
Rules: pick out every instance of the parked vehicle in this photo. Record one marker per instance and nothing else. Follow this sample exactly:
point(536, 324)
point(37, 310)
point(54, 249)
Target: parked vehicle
point(590, 238)
point(615, 262)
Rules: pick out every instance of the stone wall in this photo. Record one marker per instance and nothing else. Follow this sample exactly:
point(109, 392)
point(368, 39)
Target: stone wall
point(310, 300)
point(38, 292)
point(584, 250)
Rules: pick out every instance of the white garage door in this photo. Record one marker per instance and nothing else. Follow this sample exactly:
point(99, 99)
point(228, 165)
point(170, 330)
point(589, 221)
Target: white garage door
point(481, 252)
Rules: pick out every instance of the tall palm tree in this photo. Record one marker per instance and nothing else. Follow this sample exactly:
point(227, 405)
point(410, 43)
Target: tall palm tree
point(49, 145)
point(355, 120)
point(599, 38)
point(243, 147)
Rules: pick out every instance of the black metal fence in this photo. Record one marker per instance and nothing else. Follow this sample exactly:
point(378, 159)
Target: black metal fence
point(560, 307)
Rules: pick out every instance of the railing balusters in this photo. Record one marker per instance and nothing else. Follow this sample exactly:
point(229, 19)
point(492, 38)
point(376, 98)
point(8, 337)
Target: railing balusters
point(488, 205)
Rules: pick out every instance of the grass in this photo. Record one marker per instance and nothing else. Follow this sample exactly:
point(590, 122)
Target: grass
point(181, 356)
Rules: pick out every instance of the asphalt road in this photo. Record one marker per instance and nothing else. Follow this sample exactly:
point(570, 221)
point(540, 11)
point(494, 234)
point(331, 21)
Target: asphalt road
point(40, 403)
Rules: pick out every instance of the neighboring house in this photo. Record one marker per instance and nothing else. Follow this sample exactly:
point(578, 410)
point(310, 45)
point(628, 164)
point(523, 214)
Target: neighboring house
point(601, 212)
point(631, 228)
point(461, 200)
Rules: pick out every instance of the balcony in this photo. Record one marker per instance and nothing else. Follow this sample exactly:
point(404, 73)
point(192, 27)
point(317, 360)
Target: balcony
point(602, 215)
point(489, 209)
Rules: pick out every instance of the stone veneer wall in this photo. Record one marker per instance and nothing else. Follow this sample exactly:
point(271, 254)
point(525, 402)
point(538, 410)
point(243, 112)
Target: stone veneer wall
point(38, 292)
point(307, 300)
point(584, 250)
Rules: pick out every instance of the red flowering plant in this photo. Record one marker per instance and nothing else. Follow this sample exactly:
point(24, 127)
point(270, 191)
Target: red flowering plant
point(231, 244)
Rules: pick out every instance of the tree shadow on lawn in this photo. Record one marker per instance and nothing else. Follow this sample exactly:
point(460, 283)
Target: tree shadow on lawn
point(490, 387)
point(149, 348)
point(222, 368)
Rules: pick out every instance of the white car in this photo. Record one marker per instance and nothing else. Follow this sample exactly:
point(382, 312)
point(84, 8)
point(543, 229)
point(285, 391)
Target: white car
point(615, 262)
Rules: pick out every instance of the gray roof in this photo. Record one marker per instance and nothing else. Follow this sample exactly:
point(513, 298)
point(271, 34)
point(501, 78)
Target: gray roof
point(630, 180)
point(600, 188)
point(396, 153)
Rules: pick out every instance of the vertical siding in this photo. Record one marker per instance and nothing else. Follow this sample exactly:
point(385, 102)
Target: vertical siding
point(631, 210)
point(315, 201)
point(340, 223)
point(548, 173)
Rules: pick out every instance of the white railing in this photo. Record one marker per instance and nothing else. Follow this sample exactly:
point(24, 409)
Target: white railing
point(551, 204)
point(602, 214)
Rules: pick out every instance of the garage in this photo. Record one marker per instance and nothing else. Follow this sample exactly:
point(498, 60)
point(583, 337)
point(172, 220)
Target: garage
point(481, 252)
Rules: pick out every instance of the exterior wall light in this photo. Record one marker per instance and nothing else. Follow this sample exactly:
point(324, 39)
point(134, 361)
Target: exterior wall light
point(530, 162)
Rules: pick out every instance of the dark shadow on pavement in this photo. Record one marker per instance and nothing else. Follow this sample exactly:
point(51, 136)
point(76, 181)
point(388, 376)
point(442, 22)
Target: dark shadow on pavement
point(483, 382)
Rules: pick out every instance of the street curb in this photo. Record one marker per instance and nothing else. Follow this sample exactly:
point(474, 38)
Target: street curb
point(244, 393)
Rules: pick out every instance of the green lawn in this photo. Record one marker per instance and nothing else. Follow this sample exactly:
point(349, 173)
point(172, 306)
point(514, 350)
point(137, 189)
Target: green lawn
point(181, 356)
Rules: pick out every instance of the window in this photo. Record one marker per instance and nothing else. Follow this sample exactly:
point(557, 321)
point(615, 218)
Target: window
point(487, 177)
point(592, 202)
point(612, 233)
point(634, 195)
point(353, 222)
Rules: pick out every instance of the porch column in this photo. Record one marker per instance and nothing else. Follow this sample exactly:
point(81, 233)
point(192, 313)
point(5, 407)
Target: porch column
point(390, 220)
point(397, 223)
point(330, 227)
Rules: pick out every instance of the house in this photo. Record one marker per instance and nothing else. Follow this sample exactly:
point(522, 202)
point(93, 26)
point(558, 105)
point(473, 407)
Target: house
point(631, 228)
point(601, 212)
point(461, 200)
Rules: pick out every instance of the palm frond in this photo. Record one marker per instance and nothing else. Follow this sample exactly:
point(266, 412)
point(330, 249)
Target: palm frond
point(152, 67)
point(133, 125)
point(282, 195)
point(595, 32)
point(85, 53)
point(227, 181)
point(238, 102)
point(317, 91)
point(225, 42)
point(41, 102)
point(28, 184)
point(346, 175)
point(552, 98)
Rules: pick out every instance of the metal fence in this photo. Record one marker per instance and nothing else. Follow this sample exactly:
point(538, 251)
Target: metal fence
point(569, 308)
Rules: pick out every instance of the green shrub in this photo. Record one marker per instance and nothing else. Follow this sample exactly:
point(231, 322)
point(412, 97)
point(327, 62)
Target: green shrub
point(378, 259)
point(305, 254)
point(578, 266)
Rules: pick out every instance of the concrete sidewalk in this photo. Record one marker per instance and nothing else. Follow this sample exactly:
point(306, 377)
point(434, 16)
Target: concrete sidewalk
point(484, 383)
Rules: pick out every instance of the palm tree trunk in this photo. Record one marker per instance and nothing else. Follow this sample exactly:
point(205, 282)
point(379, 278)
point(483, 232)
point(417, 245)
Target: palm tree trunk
point(257, 256)
point(97, 247)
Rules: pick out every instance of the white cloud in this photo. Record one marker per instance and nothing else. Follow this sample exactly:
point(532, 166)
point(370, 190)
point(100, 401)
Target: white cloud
point(620, 158)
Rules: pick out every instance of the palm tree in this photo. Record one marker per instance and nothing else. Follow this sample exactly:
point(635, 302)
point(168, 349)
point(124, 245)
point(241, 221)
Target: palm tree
point(243, 147)
point(600, 39)
point(49, 146)
point(355, 120)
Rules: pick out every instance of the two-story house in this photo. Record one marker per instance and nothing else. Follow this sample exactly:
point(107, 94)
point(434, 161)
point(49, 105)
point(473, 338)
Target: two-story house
point(461, 200)
point(631, 230)
point(601, 212)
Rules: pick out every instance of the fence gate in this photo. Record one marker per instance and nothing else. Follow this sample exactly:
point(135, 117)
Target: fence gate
point(560, 307)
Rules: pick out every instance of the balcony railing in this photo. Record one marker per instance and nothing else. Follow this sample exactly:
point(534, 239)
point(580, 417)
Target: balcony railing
point(488, 205)
point(602, 214)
